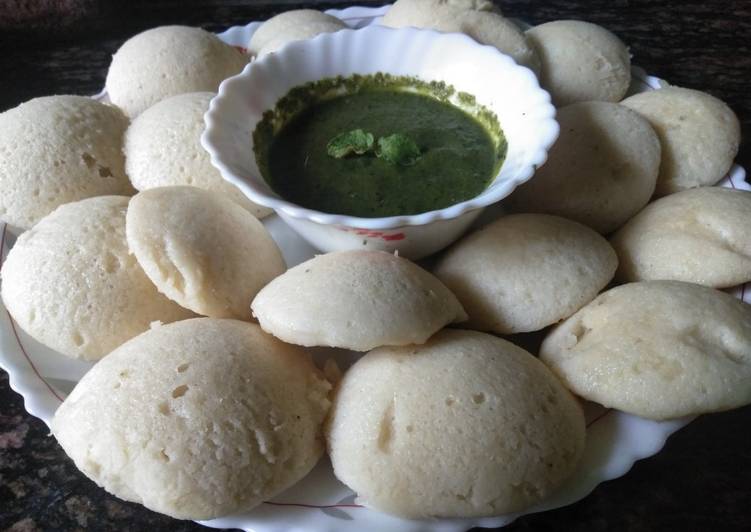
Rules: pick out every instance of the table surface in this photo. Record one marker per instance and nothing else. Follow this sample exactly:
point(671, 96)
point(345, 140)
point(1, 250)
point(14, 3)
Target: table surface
point(702, 478)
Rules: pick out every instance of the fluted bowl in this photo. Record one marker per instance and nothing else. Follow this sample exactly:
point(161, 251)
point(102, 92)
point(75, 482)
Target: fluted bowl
point(497, 83)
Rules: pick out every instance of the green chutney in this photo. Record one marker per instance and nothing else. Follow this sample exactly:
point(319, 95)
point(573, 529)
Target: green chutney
point(458, 156)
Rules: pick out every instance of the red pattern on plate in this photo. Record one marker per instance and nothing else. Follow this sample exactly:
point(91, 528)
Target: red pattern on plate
point(15, 332)
point(378, 234)
point(321, 506)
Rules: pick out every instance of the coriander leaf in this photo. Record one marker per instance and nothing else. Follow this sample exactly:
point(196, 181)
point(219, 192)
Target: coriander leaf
point(355, 141)
point(398, 149)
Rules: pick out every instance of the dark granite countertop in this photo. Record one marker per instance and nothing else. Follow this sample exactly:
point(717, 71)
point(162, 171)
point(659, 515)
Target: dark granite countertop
point(700, 481)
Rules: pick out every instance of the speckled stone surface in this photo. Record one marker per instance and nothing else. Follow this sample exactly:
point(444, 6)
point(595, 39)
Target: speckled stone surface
point(701, 480)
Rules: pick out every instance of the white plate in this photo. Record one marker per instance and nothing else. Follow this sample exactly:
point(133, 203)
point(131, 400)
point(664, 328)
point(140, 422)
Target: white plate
point(320, 503)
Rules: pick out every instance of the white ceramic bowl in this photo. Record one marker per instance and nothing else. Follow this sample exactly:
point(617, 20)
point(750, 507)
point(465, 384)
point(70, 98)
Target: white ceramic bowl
point(497, 82)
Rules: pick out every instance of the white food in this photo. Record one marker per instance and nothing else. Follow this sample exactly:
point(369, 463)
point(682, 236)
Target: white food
point(197, 419)
point(656, 349)
point(163, 148)
point(600, 172)
point(71, 283)
point(700, 136)
point(466, 425)
point(169, 60)
point(581, 61)
point(524, 272)
point(58, 149)
point(202, 250)
point(356, 300)
point(699, 235)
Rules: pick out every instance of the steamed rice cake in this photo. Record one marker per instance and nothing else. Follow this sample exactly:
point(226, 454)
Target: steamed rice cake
point(197, 419)
point(294, 25)
point(202, 250)
point(581, 61)
point(601, 171)
point(465, 425)
point(700, 136)
point(55, 150)
point(475, 19)
point(524, 272)
point(71, 283)
point(656, 349)
point(355, 300)
point(163, 148)
point(699, 235)
point(169, 60)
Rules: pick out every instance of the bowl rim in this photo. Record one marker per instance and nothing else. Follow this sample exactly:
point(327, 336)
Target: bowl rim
point(548, 134)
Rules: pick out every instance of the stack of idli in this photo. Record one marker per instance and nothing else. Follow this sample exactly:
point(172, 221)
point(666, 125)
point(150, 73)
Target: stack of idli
point(72, 284)
point(95, 273)
point(200, 417)
point(195, 419)
point(448, 398)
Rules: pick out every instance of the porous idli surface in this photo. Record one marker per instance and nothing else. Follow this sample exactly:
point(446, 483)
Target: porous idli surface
point(700, 136)
point(294, 25)
point(166, 61)
point(201, 249)
point(356, 300)
point(656, 349)
point(196, 419)
point(71, 283)
point(699, 235)
point(581, 61)
point(163, 148)
point(524, 272)
point(466, 425)
point(55, 150)
point(601, 171)
point(476, 19)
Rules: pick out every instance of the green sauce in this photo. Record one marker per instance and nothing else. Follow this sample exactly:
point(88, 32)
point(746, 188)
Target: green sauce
point(459, 152)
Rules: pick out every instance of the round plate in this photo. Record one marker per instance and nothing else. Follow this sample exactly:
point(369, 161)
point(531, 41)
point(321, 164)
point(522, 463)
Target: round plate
point(319, 502)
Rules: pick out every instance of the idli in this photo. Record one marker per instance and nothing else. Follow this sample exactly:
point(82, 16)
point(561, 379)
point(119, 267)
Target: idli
point(700, 136)
point(656, 349)
point(581, 61)
point(524, 272)
point(289, 26)
point(163, 148)
point(166, 61)
point(475, 19)
point(55, 150)
point(197, 419)
point(698, 235)
point(466, 425)
point(600, 172)
point(71, 283)
point(356, 300)
point(201, 250)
